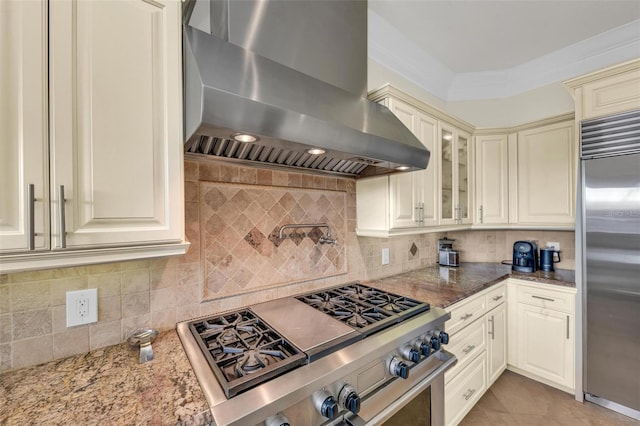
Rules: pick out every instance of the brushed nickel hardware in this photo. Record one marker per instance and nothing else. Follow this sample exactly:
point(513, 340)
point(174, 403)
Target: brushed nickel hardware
point(543, 298)
point(492, 332)
point(481, 214)
point(466, 317)
point(567, 327)
point(496, 298)
point(468, 349)
point(31, 221)
point(469, 394)
point(61, 217)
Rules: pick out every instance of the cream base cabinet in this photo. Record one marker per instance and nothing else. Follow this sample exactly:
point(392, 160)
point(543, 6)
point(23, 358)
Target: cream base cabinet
point(23, 127)
point(496, 342)
point(542, 333)
point(477, 337)
point(492, 180)
point(544, 188)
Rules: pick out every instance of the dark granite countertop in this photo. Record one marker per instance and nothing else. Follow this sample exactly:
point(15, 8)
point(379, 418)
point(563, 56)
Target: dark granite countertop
point(443, 286)
point(109, 387)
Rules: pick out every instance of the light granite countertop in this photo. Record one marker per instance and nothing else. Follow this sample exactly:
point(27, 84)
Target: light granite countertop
point(445, 285)
point(108, 386)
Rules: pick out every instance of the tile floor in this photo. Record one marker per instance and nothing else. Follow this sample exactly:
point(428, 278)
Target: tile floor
point(517, 400)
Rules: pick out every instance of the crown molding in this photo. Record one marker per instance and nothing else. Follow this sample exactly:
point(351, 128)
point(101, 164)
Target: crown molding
point(389, 47)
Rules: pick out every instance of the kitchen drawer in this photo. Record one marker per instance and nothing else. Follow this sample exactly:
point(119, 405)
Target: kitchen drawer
point(465, 390)
point(466, 345)
point(496, 296)
point(463, 314)
point(547, 298)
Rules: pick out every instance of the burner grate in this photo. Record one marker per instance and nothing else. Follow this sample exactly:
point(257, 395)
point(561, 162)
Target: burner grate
point(364, 308)
point(243, 350)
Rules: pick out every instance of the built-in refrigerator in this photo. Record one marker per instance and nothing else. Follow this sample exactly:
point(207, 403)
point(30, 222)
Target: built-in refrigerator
point(610, 208)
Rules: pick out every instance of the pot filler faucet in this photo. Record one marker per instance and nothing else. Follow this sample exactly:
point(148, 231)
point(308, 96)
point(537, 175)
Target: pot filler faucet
point(322, 240)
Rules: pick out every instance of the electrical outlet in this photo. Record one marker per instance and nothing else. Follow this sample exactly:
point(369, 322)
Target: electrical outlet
point(385, 256)
point(82, 307)
point(554, 245)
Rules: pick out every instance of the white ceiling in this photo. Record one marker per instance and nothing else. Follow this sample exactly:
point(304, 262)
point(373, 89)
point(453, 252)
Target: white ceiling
point(466, 45)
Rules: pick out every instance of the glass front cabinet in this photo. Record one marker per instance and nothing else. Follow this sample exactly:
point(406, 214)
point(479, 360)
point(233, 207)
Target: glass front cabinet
point(455, 196)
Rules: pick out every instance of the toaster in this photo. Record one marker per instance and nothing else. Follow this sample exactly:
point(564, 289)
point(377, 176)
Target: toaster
point(447, 256)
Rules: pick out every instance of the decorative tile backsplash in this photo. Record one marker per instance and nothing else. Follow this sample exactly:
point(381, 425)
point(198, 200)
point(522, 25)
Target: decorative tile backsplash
point(240, 246)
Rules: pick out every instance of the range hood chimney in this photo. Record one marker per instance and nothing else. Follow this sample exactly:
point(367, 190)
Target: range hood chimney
point(283, 82)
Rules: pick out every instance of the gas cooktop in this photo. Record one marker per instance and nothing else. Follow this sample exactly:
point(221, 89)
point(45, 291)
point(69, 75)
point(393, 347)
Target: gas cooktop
point(250, 346)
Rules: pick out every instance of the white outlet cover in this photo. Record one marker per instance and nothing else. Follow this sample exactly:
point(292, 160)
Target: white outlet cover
point(74, 298)
point(385, 256)
point(556, 246)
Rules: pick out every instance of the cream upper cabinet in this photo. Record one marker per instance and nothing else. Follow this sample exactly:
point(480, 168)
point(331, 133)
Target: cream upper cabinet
point(115, 109)
point(492, 180)
point(609, 91)
point(23, 126)
point(401, 202)
point(455, 179)
point(545, 176)
point(115, 131)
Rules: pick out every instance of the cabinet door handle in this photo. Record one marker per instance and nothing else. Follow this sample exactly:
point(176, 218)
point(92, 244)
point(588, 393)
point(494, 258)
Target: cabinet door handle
point(61, 218)
point(31, 220)
point(469, 394)
point(496, 298)
point(567, 327)
point(422, 213)
point(466, 317)
point(543, 298)
point(481, 214)
point(417, 209)
point(492, 332)
point(468, 349)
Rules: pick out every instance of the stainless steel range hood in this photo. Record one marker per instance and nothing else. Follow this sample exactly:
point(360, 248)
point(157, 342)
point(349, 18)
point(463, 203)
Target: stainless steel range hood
point(291, 73)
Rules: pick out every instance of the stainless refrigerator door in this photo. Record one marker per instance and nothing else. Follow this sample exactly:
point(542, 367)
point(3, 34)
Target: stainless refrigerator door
point(612, 202)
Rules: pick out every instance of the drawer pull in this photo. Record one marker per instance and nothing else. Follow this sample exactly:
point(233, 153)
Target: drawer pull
point(466, 317)
point(468, 349)
point(496, 298)
point(548, 299)
point(469, 394)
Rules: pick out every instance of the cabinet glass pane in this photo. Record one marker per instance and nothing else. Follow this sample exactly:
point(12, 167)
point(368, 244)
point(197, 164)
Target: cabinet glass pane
point(463, 181)
point(447, 174)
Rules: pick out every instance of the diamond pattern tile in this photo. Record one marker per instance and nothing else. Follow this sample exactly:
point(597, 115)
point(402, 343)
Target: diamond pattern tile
point(414, 249)
point(239, 227)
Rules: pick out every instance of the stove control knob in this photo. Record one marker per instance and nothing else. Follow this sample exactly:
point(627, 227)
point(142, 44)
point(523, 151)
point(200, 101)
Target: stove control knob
point(444, 337)
point(423, 347)
point(326, 404)
point(398, 368)
point(277, 420)
point(410, 353)
point(435, 343)
point(349, 399)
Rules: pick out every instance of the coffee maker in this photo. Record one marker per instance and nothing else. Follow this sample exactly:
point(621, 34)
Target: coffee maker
point(525, 256)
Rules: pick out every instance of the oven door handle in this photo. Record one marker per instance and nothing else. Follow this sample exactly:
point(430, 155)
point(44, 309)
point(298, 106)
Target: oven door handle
point(448, 360)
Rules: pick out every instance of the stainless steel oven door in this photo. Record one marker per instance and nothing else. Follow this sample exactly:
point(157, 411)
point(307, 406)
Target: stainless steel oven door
point(400, 397)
